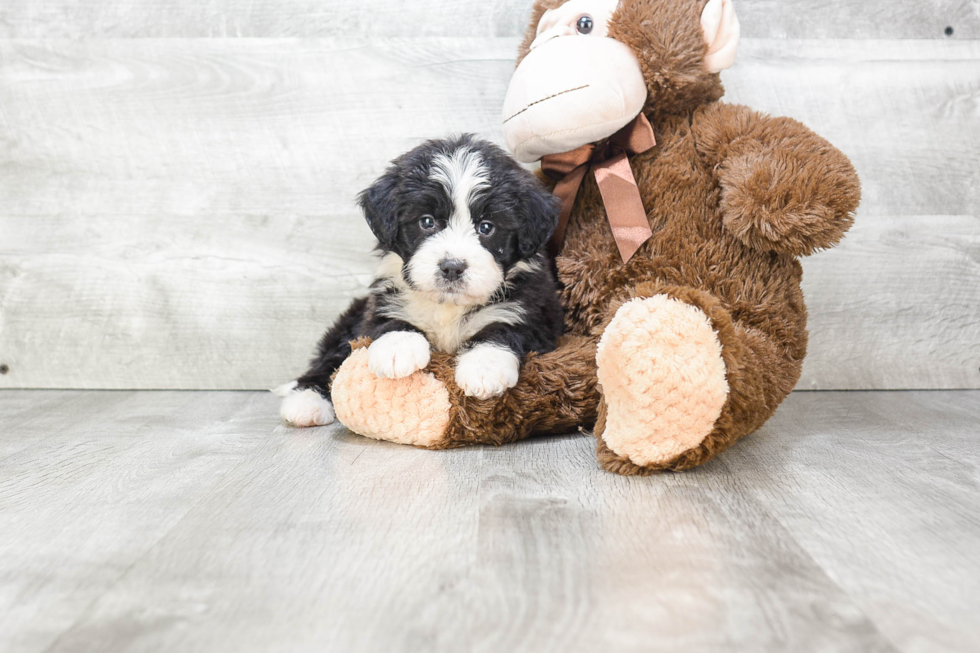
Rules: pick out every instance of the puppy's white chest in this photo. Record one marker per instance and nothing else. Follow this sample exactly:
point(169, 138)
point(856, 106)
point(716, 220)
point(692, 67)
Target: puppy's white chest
point(442, 324)
point(447, 326)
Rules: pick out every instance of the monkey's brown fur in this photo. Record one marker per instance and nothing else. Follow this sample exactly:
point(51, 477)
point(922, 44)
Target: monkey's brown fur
point(733, 198)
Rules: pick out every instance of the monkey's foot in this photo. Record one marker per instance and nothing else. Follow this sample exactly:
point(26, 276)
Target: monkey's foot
point(410, 410)
point(663, 383)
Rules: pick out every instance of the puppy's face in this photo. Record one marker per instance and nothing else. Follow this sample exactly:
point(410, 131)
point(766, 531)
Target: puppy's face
point(461, 214)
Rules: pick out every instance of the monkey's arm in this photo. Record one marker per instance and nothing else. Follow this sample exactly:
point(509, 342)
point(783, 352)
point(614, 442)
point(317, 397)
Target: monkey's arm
point(783, 188)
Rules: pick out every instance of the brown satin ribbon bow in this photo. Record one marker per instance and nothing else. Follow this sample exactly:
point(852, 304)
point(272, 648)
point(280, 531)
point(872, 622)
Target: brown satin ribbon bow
point(620, 195)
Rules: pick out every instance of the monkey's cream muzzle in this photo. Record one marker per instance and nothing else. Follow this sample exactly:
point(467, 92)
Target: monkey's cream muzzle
point(577, 87)
point(569, 91)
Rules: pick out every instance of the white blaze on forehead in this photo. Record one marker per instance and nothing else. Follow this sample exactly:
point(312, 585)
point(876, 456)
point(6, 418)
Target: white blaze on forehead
point(463, 175)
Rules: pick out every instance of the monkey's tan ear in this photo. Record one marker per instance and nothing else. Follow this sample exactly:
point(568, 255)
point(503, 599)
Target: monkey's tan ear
point(721, 31)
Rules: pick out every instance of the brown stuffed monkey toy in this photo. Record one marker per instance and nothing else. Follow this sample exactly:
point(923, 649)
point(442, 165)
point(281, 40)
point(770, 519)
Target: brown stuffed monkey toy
point(685, 218)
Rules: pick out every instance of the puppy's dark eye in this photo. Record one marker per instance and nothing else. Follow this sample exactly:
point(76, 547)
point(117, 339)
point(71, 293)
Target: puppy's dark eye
point(427, 222)
point(584, 24)
point(485, 228)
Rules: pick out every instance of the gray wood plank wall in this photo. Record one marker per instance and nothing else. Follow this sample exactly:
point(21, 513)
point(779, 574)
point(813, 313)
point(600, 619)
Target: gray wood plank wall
point(916, 19)
point(177, 211)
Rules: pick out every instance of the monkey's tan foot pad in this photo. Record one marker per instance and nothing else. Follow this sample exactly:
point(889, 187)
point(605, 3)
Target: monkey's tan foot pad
point(662, 377)
point(412, 410)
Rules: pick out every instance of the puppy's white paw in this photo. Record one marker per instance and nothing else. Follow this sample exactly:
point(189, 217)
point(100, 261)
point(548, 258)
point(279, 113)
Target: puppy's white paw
point(398, 354)
point(487, 371)
point(306, 408)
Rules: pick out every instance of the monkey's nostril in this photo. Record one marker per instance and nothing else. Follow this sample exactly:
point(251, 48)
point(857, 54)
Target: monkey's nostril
point(452, 269)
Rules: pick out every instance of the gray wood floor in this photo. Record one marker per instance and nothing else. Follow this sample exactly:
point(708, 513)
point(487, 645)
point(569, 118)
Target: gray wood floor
point(189, 521)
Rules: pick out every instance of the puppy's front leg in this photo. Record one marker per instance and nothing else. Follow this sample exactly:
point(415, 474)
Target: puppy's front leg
point(487, 369)
point(399, 351)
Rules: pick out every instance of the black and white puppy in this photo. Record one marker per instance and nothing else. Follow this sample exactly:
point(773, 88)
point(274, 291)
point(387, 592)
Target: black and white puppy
point(461, 229)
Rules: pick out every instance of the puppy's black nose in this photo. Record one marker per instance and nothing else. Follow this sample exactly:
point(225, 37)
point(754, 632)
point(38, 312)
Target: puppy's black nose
point(452, 268)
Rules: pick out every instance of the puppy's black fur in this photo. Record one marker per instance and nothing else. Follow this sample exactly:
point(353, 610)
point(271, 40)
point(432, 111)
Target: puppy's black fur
point(397, 206)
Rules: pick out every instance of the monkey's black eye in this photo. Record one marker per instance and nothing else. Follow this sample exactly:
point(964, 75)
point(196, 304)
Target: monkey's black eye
point(485, 228)
point(584, 24)
point(427, 222)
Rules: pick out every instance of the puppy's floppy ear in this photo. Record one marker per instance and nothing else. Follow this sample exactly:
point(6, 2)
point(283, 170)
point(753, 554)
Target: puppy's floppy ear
point(539, 211)
point(380, 208)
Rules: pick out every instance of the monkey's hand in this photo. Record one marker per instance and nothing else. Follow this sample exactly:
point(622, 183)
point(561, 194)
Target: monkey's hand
point(783, 188)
